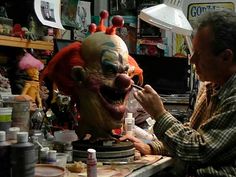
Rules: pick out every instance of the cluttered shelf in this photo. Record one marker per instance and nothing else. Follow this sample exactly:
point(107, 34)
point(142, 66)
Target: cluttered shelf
point(24, 43)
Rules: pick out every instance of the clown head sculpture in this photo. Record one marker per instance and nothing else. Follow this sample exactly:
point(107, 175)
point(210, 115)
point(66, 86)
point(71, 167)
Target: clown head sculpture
point(97, 75)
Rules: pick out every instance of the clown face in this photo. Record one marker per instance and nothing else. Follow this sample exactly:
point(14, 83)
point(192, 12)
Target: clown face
point(103, 84)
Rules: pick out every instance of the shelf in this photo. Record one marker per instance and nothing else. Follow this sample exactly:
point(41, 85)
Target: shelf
point(24, 43)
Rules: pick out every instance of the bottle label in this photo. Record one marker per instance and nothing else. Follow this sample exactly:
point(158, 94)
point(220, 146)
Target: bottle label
point(91, 170)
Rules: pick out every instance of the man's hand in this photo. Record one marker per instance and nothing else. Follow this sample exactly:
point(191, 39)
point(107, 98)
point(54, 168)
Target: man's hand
point(142, 147)
point(150, 101)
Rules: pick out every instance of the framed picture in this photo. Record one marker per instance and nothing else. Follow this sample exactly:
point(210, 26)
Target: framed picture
point(122, 7)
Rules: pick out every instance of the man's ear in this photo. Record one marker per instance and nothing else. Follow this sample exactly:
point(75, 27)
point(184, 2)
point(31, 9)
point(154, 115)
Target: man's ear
point(78, 74)
point(227, 55)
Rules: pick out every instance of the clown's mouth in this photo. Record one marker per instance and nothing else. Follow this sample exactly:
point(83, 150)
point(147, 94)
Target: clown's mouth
point(114, 100)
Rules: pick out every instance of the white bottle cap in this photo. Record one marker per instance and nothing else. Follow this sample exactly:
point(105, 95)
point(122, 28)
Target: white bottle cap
point(22, 137)
point(129, 115)
point(2, 136)
point(91, 153)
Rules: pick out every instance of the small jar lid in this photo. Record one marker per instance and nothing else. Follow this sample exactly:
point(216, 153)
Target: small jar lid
point(22, 137)
point(91, 153)
point(2, 136)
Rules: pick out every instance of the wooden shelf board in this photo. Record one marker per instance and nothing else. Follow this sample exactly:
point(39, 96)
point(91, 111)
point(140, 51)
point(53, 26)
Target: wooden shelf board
point(24, 43)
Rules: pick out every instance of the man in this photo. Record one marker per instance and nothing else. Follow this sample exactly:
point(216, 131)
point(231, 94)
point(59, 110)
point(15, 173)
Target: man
point(207, 145)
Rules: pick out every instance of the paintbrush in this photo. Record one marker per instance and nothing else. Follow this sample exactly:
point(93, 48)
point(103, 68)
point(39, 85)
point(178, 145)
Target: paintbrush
point(141, 88)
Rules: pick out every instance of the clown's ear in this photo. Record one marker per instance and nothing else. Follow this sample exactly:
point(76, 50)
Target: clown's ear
point(78, 74)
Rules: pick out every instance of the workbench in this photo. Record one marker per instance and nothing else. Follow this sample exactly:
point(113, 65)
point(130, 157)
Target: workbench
point(152, 169)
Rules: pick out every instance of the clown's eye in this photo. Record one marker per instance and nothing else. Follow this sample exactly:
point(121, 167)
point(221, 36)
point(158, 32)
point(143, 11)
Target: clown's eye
point(108, 67)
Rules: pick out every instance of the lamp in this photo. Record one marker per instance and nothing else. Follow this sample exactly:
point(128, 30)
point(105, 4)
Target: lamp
point(169, 16)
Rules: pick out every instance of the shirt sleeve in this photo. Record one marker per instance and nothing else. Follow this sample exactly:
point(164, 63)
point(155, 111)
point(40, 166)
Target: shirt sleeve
point(158, 148)
point(213, 140)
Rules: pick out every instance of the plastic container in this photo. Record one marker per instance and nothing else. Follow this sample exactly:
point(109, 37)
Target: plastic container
point(65, 136)
point(22, 157)
point(5, 118)
point(43, 155)
point(61, 159)
point(5, 169)
point(20, 114)
point(52, 157)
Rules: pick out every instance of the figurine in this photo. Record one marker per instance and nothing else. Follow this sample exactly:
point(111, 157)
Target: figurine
point(97, 74)
point(3, 12)
point(32, 66)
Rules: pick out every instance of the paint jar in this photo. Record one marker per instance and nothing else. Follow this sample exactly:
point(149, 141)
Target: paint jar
point(61, 159)
point(22, 157)
point(52, 156)
point(12, 134)
point(5, 118)
point(5, 168)
point(44, 155)
point(20, 114)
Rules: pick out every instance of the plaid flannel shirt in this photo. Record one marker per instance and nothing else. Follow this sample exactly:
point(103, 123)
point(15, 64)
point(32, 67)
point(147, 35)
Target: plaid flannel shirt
point(208, 144)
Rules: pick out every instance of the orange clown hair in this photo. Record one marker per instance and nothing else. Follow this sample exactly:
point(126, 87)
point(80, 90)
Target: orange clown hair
point(135, 70)
point(59, 68)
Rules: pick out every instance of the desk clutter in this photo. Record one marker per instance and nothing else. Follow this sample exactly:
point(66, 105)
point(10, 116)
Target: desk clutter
point(26, 157)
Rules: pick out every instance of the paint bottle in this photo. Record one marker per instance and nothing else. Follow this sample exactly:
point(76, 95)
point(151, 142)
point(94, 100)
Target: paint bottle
point(34, 140)
point(68, 149)
point(129, 123)
point(143, 134)
point(91, 163)
point(22, 157)
point(5, 168)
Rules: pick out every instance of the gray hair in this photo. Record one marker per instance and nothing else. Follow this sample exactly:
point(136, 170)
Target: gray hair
point(223, 26)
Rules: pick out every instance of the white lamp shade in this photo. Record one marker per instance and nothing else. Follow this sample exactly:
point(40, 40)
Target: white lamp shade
point(168, 18)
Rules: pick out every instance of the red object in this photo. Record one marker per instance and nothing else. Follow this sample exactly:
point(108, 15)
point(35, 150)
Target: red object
point(92, 28)
point(17, 31)
point(104, 14)
point(117, 131)
point(118, 21)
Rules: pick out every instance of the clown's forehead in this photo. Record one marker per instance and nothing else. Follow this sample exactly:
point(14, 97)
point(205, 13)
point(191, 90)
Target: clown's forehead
point(97, 43)
point(114, 48)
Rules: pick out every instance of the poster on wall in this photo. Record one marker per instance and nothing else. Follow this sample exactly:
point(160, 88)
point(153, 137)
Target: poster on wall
point(76, 14)
point(68, 13)
point(122, 7)
point(83, 16)
point(48, 12)
point(193, 11)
